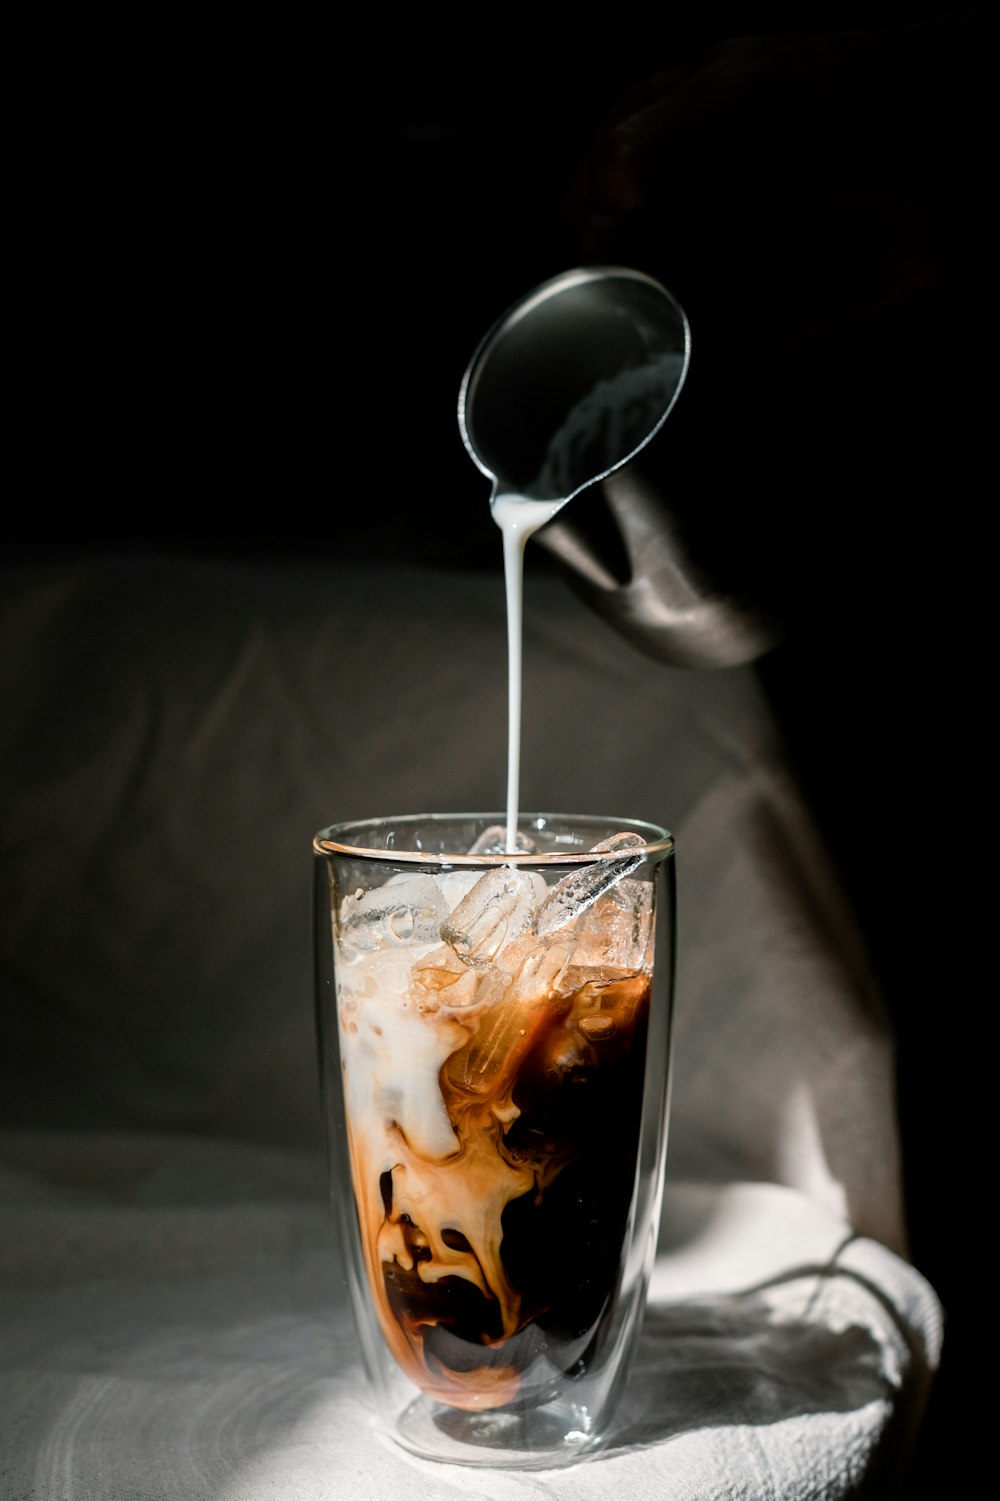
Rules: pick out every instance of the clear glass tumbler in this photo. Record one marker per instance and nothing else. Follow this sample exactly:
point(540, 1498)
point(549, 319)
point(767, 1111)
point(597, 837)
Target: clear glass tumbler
point(494, 1033)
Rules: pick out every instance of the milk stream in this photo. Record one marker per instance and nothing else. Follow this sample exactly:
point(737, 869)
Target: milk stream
point(518, 520)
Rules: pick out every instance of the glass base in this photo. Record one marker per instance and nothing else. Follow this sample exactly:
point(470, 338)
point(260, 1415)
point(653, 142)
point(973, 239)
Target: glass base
point(538, 1438)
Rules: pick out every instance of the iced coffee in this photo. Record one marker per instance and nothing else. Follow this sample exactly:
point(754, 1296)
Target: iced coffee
point(492, 1030)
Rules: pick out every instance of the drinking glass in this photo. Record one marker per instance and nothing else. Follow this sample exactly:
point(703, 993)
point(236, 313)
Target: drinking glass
point(494, 1031)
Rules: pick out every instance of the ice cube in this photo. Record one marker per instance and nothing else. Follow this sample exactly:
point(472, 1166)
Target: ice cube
point(579, 890)
point(496, 910)
point(608, 997)
point(493, 841)
point(454, 884)
point(617, 928)
point(400, 913)
point(444, 980)
point(509, 1028)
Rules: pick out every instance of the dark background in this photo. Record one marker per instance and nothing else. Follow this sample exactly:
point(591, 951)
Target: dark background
point(252, 269)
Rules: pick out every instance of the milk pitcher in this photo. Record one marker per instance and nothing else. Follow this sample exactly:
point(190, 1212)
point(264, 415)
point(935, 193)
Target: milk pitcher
point(566, 400)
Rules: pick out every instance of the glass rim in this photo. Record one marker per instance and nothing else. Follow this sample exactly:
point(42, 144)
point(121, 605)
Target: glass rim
point(657, 840)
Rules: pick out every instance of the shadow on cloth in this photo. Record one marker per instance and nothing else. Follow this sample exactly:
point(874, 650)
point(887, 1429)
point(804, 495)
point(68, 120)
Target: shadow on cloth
point(725, 1362)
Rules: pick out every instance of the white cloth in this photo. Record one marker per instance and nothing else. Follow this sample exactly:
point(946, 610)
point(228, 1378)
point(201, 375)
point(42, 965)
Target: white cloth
point(175, 1329)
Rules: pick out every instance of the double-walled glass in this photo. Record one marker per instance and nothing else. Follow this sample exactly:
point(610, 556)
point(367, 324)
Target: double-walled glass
point(495, 1044)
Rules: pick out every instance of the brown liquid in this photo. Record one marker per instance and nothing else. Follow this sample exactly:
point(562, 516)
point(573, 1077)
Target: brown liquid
point(491, 1267)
